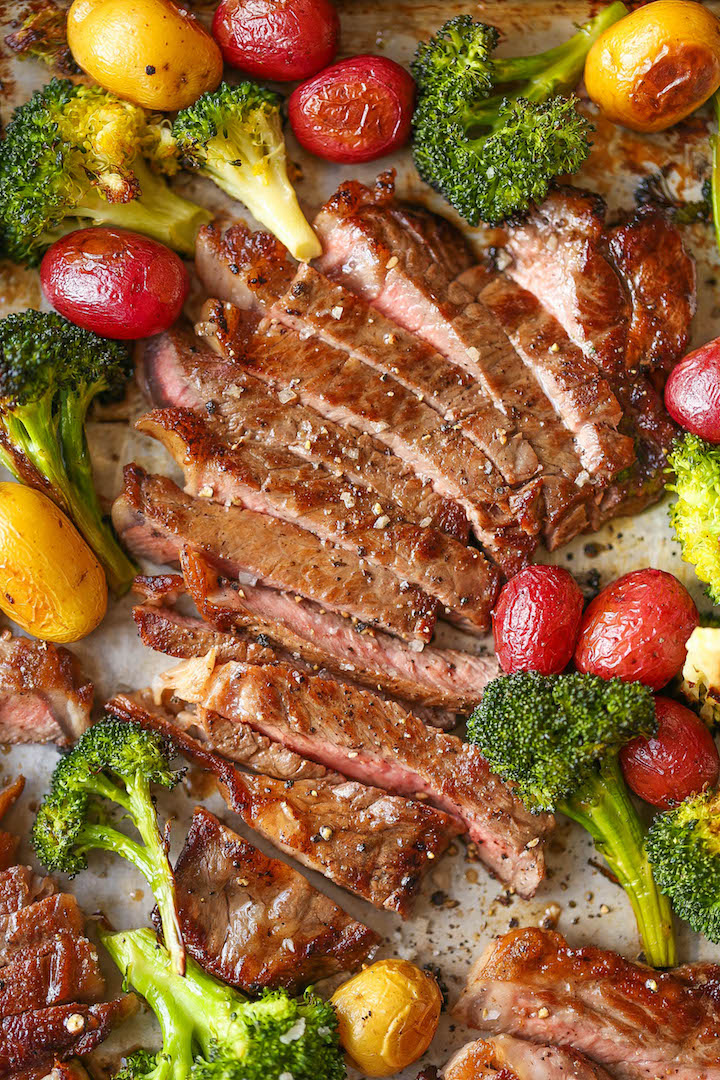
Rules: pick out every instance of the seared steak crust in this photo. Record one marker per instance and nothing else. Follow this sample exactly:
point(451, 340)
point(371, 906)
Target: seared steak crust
point(641, 1023)
point(43, 694)
point(506, 1058)
point(254, 921)
point(376, 845)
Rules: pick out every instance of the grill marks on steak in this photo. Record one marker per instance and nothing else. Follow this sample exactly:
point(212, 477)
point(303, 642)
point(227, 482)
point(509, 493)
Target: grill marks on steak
point(377, 742)
point(156, 520)
point(255, 922)
point(44, 696)
point(506, 1058)
point(641, 1024)
point(277, 483)
point(375, 845)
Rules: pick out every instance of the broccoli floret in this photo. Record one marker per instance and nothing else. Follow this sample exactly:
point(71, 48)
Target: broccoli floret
point(556, 738)
point(683, 846)
point(50, 372)
point(117, 762)
point(695, 516)
point(492, 134)
point(77, 155)
point(212, 1032)
point(234, 136)
point(701, 673)
point(43, 36)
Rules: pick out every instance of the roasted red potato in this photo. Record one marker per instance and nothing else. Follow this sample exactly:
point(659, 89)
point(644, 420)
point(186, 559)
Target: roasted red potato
point(281, 40)
point(536, 620)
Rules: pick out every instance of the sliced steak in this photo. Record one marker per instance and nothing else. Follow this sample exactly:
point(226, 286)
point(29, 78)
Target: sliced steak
point(9, 843)
point(44, 696)
point(446, 680)
point(156, 520)
point(254, 922)
point(20, 886)
point(640, 1023)
point(276, 482)
point(378, 742)
point(506, 1058)
point(354, 230)
point(37, 1039)
point(60, 970)
point(180, 369)
point(376, 845)
point(34, 925)
point(350, 393)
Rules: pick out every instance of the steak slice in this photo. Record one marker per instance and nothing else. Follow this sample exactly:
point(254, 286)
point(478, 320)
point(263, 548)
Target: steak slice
point(180, 369)
point(254, 922)
point(169, 632)
point(306, 301)
point(443, 679)
point(506, 1058)
point(353, 229)
point(20, 887)
point(9, 843)
point(156, 520)
point(44, 696)
point(60, 970)
point(34, 925)
point(36, 1039)
point(375, 845)
point(275, 482)
point(348, 392)
point(640, 1023)
point(356, 733)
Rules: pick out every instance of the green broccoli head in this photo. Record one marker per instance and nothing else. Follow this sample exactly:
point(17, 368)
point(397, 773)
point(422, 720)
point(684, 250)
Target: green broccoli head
point(114, 760)
point(683, 846)
point(547, 733)
point(491, 134)
point(234, 136)
point(211, 1032)
point(41, 352)
point(77, 155)
point(695, 516)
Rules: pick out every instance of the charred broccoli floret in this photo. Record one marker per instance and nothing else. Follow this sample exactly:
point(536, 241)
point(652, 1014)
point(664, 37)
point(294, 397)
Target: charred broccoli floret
point(76, 155)
point(234, 136)
point(42, 34)
point(491, 134)
point(50, 372)
point(683, 846)
point(118, 762)
point(211, 1032)
point(556, 738)
point(695, 516)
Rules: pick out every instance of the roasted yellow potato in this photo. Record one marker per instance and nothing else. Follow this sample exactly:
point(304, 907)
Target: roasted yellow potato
point(51, 584)
point(387, 1016)
point(147, 51)
point(655, 66)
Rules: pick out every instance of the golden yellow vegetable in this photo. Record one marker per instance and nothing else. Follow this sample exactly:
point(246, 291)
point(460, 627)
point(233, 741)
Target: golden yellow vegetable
point(147, 51)
point(387, 1015)
point(51, 584)
point(655, 66)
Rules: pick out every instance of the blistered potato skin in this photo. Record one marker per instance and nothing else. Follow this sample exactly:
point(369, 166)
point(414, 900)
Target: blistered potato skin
point(387, 1016)
point(144, 50)
point(51, 584)
point(656, 66)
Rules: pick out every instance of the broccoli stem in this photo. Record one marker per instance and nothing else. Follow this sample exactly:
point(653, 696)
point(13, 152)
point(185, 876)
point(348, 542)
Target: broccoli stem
point(33, 430)
point(258, 178)
point(603, 807)
point(82, 497)
point(557, 70)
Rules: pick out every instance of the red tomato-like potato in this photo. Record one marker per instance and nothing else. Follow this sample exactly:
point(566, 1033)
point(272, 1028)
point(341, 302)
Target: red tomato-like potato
point(692, 393)
point(282, 40)
point(536, 620)
point(679, 760)
point(357, 110)
point(636, 629)
point(115, 282)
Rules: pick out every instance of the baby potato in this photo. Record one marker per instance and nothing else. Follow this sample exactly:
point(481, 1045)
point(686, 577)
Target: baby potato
point(51, 584)
point(655, 66)
point(387, 1016)
point(147, 51)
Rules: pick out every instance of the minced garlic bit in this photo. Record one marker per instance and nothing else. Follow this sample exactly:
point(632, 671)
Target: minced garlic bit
point(543, 1013)
point(554, 348)
point(206, 492)
point(382, 522)
point(75, 1023)
point(651, 985)
point(347, 498)
point(285, 396)
point(326, 832)
point(377, 508)
point(533, 843)
point(392, 262)
point(337, 312)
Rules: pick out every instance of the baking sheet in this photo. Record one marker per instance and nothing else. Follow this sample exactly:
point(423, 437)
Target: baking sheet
point(460, 907)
